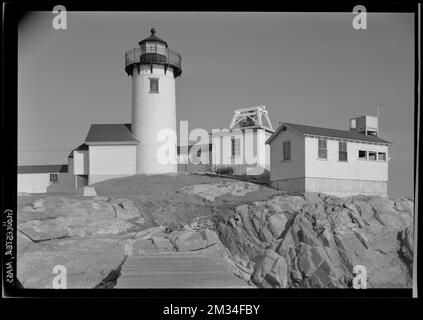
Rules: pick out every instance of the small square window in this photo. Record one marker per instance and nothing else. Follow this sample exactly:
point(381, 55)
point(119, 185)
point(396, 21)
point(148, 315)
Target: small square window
point(362, 154)
point(53, 177)
point(154, 85)
point(381, 156)
point(372, 156)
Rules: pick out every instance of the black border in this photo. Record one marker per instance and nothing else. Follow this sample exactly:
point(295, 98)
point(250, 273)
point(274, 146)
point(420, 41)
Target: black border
point(14, 11)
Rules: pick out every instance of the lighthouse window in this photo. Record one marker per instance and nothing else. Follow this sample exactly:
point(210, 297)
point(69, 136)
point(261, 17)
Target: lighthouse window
point(154, 85)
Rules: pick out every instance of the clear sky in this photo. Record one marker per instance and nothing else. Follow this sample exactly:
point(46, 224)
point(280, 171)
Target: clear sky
point(307, 68)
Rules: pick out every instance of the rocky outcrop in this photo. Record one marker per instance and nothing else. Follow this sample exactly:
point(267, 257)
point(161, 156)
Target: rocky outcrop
point(316, 240)
point(284, 241)
point(60, 217)
point(86, 262)
point(92, 240)
point(211, 191)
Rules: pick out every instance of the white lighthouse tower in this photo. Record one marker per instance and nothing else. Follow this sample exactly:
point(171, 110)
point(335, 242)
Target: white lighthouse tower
point(154, 68)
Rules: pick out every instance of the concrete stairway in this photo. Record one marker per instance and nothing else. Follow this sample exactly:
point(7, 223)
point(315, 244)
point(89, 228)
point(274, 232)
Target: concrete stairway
point(175, 270)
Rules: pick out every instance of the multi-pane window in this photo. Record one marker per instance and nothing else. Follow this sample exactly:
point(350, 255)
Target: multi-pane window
point(235, 147)
point(53, 177)
point(343, 155)
point(372, 155)
point(323, 151)
point(286, 150)
point(154, 85)
point(381, 156)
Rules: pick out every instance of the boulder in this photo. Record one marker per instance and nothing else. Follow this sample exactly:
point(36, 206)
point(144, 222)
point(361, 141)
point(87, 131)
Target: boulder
point(319, 267)
point(277, 224)
point(211, 191)
point(187, 240)
point(162, 244)
point(407, 243)
point(382, 205)
point(87, 262)
point(101, 227)
point(22, 243)
point(44, 230)
point(312, 198)
point(289, 204)
point(82, 218)
point(151, 232)
point(404, 205)
point(126, 212)
point(210, 236)
point(270, 271)
point(38, 203)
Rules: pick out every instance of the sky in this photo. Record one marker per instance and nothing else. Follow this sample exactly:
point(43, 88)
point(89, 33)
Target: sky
point(306, 68)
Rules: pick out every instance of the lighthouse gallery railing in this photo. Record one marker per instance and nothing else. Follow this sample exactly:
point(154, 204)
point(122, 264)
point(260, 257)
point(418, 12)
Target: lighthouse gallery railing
point(152, 55)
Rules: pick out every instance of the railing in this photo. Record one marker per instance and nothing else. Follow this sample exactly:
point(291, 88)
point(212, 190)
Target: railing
point(153, 55)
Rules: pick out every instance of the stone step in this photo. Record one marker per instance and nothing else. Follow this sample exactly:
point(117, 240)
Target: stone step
point(175, 270)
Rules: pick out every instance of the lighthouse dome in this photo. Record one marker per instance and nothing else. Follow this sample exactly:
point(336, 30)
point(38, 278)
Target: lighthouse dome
point(153, 38)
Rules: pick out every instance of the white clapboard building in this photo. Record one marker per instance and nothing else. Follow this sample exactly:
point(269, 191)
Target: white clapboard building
point(340, 162)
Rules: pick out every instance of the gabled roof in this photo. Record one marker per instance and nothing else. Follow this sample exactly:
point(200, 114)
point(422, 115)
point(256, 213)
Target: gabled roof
point(81, 147)
point(110, 134)
point(47, 168)
point(329, 133)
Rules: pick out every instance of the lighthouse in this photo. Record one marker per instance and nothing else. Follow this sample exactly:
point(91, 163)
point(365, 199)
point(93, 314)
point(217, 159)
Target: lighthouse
point(153, 68)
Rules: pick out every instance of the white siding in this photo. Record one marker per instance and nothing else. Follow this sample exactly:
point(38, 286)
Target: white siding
point(40, 182)
point(111, 161)
point(254, 155)
point(306, 172)
point(353, 169)
point(290, 169)
point(80, 162)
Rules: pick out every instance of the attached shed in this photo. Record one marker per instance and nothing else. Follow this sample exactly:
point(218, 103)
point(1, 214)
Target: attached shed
point(45, 178)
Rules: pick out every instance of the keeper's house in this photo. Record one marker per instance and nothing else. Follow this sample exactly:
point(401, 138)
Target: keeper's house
point(339, 162)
